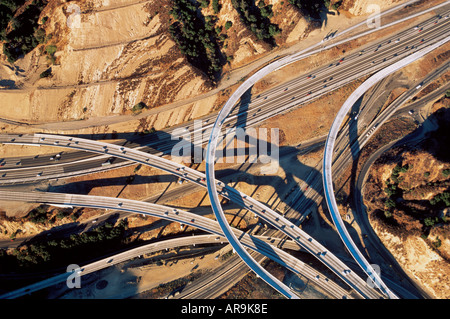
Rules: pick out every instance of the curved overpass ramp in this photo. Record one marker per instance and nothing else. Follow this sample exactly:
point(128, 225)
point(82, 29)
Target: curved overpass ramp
point(256, 243)
point(279, 222)
point(328, 158)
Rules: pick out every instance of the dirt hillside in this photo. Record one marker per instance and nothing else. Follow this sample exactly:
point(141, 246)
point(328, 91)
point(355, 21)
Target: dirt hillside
point(407, 196)
point(104, 57)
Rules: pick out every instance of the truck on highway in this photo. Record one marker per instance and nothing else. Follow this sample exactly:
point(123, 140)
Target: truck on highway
point(108, 162)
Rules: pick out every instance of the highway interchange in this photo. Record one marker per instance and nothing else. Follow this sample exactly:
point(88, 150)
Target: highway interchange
point(372, 58)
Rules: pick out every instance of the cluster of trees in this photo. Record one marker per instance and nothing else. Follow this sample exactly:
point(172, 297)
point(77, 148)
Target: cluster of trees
point(46, 74)
point(430, 221)
point(196, 37)
point(139, 107)
point(24, 34)
point(257, 19)
point(312, 8)
point(392, 190)
point(38, 215)
point(215, 5)
point(58, 253)
point(7, 10)
point(442, 198)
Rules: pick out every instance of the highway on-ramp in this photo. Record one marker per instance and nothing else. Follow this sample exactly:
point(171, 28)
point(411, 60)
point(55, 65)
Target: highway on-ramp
point(328, 157)
point(263, 245)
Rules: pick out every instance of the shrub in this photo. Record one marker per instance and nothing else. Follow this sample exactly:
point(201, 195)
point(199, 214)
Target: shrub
point(437, 243)
point(228, 25)
point(443, 197)
point(390, 203)
point(216, 6)
point(204, 3)
point(47, 73)
point(139, 107)
point(430, 221)
point(40, 35)
point(50, 49)
point(38, 215)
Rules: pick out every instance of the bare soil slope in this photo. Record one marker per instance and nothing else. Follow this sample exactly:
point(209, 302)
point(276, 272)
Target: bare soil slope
point(407, 199)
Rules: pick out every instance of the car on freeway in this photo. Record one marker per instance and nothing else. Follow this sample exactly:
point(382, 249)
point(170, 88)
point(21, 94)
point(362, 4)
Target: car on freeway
point(108, 162)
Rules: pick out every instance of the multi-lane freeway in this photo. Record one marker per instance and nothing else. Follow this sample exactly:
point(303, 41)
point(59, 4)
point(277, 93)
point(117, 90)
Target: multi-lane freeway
point(263, 245)
point(263, 212)
point(374, 57)
point(328, 158)
point(232, 101)
point(253, 110)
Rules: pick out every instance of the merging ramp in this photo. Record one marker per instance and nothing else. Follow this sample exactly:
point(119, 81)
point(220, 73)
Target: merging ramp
point(259, 244)
point(265, 213)
point(328, 159)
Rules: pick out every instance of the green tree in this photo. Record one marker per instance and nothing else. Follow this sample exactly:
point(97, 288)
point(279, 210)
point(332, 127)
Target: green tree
point(46, 74)
point(228, 25)
point(216, 6)
point(390, 203)
point(430, 221)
